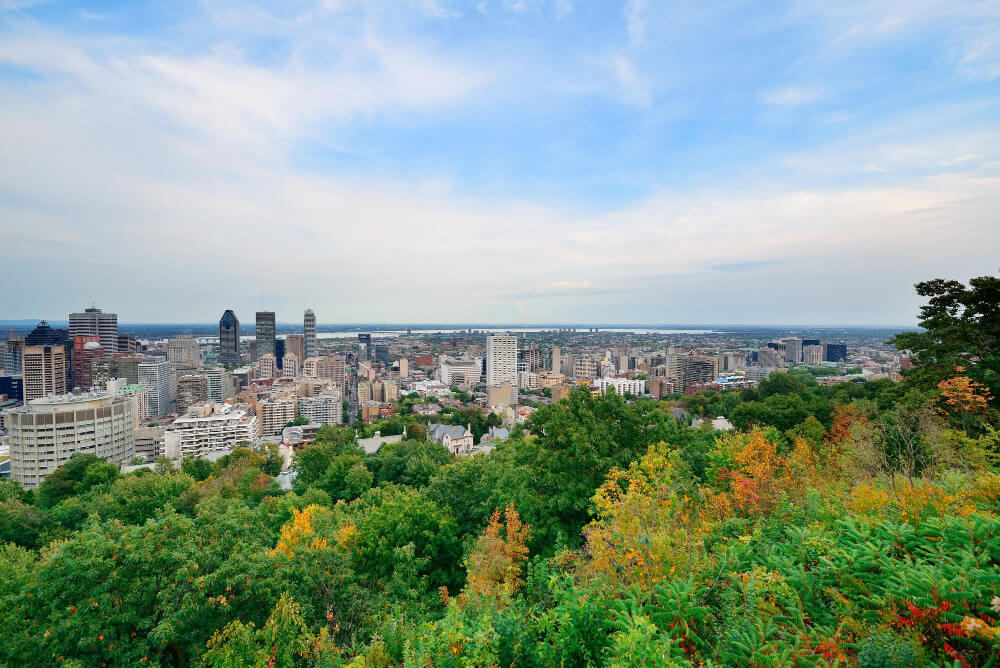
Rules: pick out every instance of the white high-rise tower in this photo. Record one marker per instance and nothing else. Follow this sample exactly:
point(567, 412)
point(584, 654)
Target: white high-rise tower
point(501, 362)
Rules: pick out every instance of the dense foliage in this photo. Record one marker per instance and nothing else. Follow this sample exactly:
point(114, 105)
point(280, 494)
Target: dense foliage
point(848, 525)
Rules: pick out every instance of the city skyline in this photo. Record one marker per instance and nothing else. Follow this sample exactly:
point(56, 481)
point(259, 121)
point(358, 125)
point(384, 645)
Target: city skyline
point(635, 162)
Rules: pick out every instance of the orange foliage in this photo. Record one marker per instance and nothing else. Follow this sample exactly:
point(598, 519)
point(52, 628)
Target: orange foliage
point(963, 395)
point(494, 566)
point(754, 482)
point(299, 534)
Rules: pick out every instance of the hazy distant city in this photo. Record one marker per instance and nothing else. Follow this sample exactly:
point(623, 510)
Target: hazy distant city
point(198, 391)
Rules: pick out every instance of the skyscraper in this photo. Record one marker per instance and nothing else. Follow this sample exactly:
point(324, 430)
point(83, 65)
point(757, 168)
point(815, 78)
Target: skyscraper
point(501, 362)
point(13, 351)
point(365, 341)
point(155, 375)
point(183, 349)
point(44, 371)
point(45, 335)
point(295, 344)
point(793, 349)
point(229, 338)
point(265, 333)
point(93, 322)
point(309, 332)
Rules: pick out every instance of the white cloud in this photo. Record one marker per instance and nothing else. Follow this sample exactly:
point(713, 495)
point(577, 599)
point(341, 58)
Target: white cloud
point(635, 19)
point(791, 96)
point(634, 89)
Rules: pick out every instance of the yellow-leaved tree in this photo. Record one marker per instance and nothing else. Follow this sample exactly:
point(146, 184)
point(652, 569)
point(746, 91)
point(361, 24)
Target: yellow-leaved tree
point(494, 566)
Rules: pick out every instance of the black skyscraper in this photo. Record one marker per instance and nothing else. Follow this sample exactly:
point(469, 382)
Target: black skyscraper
point(265, 333)
point(229, 338)
point(836, 352)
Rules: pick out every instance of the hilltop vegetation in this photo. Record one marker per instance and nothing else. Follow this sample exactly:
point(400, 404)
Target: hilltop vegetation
point(848, 525)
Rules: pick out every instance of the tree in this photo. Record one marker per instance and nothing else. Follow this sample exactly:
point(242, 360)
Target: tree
point(63, 482)
point(392, 518)
point(494, 566)
point(575, 443)
point(961, 329)
point(197, 468)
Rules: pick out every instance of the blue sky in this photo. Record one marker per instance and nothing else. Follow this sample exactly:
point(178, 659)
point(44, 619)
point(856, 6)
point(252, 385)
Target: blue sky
point(497, 161)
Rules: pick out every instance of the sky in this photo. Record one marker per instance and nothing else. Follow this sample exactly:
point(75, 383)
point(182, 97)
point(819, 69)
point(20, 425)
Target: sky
point(497, 161)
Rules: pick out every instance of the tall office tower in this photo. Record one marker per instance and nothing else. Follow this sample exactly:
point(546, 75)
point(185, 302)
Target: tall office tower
point(770, 358)
point(793, 349)
point(86, 349)
point(229, 338)
point(812, 354)
point(835, 352)
point(694, 369)
point(95, 323)
point(382, 352)
point(279, 352)
point(13, 353)
point(265, 333)
point(120, 365)
point(44, 335)
point(46, 432)
point(309, 331)
point(128, 344)
point(295, 344)
point(191, 389)
point(155, 375)
point(44, 371)
point(365, 341)
point(533, 357)
point(501, 362)
point(220, 384)
point(183, 349)
point(555, 362)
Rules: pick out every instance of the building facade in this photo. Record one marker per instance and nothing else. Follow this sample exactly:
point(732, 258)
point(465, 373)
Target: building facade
point(209, 429)
point(309, 335)
point(86, 349)
point(44, 371)
point(326, 408)
point(501, 362)
point(155, 375)
point(183, 349)
point(94, 322)
point(265, 333)
point(46, 432)
point(229, 338)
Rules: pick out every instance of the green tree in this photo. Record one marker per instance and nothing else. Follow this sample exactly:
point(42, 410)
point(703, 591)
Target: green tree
point(961, 329)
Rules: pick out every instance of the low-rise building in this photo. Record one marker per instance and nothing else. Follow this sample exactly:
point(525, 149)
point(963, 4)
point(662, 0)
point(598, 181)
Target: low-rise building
point(621, 386)
point(209, 429)
point(456, 438)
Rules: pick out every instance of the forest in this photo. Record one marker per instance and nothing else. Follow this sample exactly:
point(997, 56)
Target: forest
point(836, 526)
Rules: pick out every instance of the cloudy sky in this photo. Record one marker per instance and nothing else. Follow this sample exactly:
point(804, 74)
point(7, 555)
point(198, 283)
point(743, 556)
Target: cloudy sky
point(497, 161)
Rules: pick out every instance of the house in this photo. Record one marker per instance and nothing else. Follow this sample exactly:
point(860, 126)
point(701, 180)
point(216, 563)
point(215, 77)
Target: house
point(495, 435)
point(371, 445)
point(718, 424)
point(456, 438)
